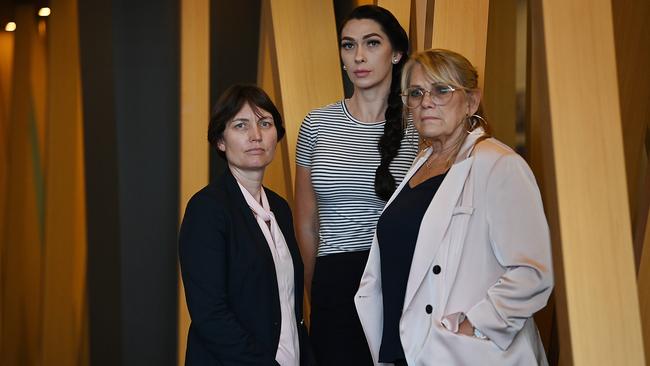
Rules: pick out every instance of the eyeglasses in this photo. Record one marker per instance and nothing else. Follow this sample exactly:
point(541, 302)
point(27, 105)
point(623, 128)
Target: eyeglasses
point(440, 95)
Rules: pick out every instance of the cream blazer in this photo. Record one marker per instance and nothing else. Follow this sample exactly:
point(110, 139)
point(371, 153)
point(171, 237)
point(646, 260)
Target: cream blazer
point(486, 232)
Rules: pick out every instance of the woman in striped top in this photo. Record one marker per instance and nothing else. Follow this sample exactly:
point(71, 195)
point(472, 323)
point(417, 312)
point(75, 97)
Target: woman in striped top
point(350, 156)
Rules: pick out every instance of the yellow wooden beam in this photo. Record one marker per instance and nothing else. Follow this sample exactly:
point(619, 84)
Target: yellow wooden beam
point(307, 61)
point(401, 9)
point(631, 31)
point(195, 109)
point(364, 2)
point(541, 160)
point(594, 221)
point(6, 72)
point(422, 25)
point(500, 94)
point(644, 267)
point(22, 245)
point(278, 174)
point(461, 26)
point(64, 339)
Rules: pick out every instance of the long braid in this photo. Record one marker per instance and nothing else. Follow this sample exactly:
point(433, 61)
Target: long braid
point(391, 140)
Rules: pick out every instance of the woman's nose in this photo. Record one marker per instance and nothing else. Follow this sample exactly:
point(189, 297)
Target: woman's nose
point(254, 133)
point(427, 101)
point(359, 57)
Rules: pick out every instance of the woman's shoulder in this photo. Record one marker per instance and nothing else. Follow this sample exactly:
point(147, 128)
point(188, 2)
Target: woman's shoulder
point(496, 156)
point(208, 198)
point(216, 196)
point(492, 149)
point(332, 109)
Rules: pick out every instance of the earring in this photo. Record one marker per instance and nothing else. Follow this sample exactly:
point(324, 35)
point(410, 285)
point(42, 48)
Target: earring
point(473, 121)
point(345, 67)
point(395, 61)
point(478, 117)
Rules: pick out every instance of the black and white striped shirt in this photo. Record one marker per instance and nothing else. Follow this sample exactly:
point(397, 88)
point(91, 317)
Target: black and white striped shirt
point(342, 154)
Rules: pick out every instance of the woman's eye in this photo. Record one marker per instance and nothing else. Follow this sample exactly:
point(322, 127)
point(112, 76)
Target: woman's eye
point(266, 123)
point(347, 45)
point(443, 89)
point(416, 93)
point(238, 125)
point(373, 43)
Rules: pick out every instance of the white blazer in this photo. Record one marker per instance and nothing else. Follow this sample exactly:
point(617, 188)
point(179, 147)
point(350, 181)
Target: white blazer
point(486, 231)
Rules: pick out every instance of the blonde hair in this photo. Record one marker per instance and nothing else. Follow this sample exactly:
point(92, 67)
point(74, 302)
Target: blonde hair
point(448, 67)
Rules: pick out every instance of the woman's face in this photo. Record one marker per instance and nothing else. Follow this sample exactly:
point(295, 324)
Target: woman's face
point(441, 122)
point(367, 53)
point(249, 139)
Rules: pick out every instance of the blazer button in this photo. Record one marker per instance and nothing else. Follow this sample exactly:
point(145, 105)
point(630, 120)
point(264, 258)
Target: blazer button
point(436, 269)
point(428, 309)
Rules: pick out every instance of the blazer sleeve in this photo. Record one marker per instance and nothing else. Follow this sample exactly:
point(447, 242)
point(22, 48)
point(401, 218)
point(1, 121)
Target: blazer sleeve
point(203, 259)
point(520, 240)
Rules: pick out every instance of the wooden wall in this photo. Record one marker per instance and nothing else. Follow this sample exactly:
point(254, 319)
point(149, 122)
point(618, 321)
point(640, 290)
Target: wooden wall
point(586, 137)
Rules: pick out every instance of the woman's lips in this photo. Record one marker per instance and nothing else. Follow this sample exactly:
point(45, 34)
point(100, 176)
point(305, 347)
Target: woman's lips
point(361, 73)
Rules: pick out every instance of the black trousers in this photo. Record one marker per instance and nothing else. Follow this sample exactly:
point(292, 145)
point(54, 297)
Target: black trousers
point(336, 334)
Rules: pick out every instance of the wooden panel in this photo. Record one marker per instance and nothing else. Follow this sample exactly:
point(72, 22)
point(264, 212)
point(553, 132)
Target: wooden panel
point(38, 80)
point(64, 299)
point(642, 201)
point(6, 64)
point(421, 25)
point(541, 160)
point(309, 75)
point(278, 174)
point(401, 9)
point(6, 72)
point(601, 292)
point(630, 32)
point(22, 257)
point(644, 266)
point(195, 109)
point(364, 2)
point(500, 96)
point(461, 26)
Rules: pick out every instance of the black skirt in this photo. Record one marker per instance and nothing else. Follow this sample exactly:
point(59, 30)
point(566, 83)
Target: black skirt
point(336, 333)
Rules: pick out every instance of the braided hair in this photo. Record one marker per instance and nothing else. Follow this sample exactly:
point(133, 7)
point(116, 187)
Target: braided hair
point(391, 139)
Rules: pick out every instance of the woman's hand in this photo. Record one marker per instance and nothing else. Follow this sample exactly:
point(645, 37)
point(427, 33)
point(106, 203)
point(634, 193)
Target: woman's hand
point(466, 328)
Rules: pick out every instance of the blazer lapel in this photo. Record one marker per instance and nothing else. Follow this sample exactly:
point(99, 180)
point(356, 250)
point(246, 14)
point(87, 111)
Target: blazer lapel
point(438, 215)
point(434, 225)
point(418, 163)
point(246, 214)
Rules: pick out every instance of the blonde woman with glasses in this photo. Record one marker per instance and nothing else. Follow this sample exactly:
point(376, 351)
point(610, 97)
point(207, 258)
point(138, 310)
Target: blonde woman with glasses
point(461, 259)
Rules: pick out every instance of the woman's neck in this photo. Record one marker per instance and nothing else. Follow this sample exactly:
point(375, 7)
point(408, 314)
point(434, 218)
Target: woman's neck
point(444, 150)
point(251, 180)
point(369, 105)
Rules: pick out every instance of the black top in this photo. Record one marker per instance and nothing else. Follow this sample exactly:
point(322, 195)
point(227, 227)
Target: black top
point(230, 282)
point(397, 233)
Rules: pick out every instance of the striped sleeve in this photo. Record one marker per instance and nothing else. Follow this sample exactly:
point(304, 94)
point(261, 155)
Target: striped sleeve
point(305, 145)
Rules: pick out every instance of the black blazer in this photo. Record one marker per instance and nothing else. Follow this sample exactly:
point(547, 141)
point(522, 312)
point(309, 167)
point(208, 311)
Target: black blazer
point(230, 282)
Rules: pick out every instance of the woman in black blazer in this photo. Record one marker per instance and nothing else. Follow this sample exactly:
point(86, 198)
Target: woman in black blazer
point(239, 259)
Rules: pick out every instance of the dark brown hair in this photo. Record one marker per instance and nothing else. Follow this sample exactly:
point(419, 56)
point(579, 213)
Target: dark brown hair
point(231, 102)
